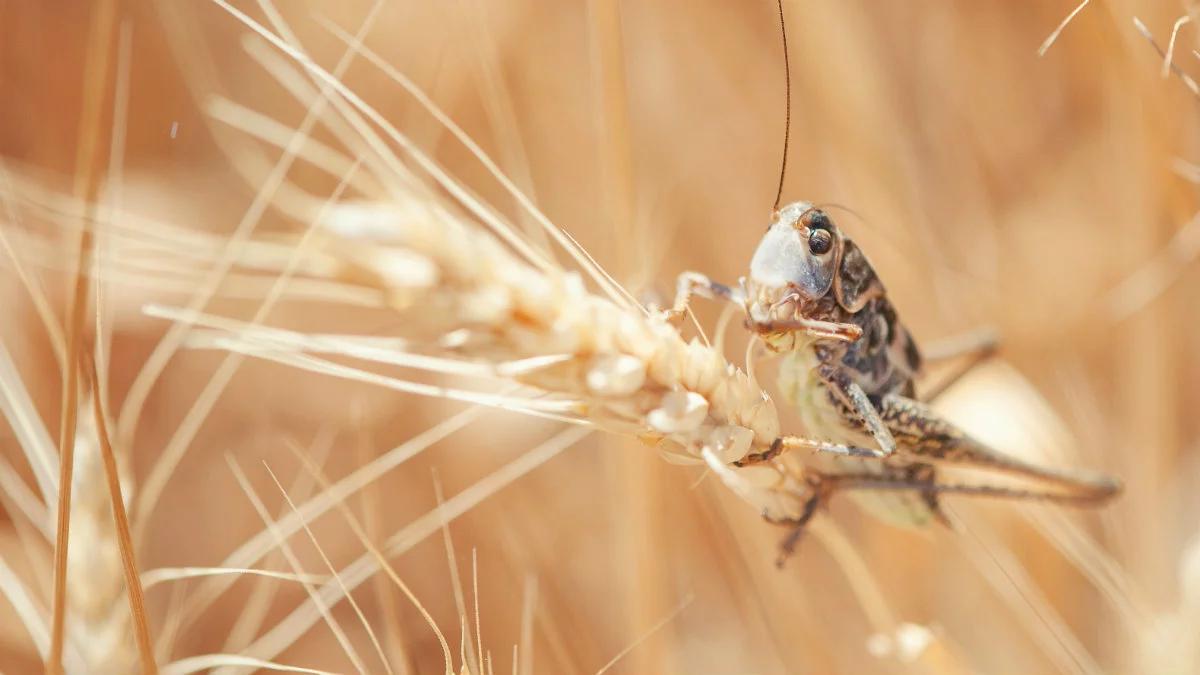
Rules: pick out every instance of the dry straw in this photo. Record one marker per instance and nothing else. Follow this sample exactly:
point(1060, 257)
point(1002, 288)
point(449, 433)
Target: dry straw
point(485, 314)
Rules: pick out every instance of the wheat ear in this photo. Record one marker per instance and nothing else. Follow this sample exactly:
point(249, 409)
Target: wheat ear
point(468, 305)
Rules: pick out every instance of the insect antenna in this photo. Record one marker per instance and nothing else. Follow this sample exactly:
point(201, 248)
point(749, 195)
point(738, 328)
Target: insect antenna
point(787, 119)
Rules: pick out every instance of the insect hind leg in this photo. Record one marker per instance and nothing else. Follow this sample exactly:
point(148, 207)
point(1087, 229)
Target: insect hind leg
point(930, 438)
point(822, 487)
point(920, 479)
point(935, 488)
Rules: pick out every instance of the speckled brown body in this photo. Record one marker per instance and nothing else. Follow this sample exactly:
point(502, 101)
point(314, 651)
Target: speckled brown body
point(850, 366)
point(884, 362)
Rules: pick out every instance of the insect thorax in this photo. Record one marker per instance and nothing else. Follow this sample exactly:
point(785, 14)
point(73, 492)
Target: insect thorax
point(885, 360)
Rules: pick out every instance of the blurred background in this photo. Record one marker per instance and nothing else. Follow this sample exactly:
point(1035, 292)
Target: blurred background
point(1052, 198)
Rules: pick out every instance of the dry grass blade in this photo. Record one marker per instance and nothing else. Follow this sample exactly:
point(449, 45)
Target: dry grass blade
point(654, 629)
point(613, 290)
point(257, 605)
point(133, 584)
point(31, 284)
point(528, 610)
point(399, 651)
point(156, 362)
point(1006, 575)
point(363, 538)
point(296, 624)
point(30, 615)
point(478, 622)
point(256, 547)
point(161, 575)
point(89, 167)
point(16, 494)
point(1169, 57)
point(173, 453)
point(331, 80)
point(323, 607)
point(466, 649)
point(502, 114)
point(1101, 569)
point(1168, 63)
point(612, 117)
point(333, 571)
point(1156, 275)
point(1053, 37)
point(195, 664)
point(28, 427)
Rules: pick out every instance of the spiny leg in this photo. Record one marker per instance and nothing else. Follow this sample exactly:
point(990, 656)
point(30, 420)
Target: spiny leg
point(927, 436)
point(829, 330)
point(975, 347)
point(855, 399)
point(800, 443)
point(870, 482)
point(694, 283)
point(824, 486)
point(853, 396)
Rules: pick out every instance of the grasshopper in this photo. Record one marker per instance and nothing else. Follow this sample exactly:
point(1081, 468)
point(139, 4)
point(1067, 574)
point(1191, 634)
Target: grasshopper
point(850, 367)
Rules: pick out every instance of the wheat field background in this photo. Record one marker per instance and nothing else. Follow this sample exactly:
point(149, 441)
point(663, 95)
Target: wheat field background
point(1051, 198)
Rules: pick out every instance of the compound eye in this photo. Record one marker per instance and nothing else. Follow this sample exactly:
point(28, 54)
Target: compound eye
point(820, 241)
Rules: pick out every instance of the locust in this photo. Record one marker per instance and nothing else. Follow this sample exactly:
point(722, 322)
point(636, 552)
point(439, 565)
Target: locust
point(850, 367)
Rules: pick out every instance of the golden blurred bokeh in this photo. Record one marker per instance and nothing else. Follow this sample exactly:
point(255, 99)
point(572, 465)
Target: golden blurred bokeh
point(1052, 198)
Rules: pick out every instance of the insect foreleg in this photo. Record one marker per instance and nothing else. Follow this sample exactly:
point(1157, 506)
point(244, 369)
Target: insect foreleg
point(854, 398)
point(694, 283)
point(845, 332)
point(800, 443)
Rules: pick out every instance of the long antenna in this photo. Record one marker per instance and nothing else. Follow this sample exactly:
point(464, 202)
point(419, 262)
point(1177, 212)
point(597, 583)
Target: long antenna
point(787, 120)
